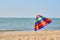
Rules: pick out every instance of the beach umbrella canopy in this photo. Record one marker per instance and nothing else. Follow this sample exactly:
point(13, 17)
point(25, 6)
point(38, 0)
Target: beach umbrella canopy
point(41, 22)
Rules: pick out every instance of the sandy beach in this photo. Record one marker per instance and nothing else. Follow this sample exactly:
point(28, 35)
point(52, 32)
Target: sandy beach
point(38, 35)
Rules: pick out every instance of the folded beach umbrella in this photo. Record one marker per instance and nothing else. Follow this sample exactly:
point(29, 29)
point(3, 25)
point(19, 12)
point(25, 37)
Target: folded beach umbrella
point(41, 22)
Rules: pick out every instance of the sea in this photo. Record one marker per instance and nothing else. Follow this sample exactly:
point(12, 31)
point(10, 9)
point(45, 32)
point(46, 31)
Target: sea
point(26, 24)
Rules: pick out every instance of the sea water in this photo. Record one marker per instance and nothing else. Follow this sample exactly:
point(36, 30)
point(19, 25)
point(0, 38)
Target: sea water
point(26, 24)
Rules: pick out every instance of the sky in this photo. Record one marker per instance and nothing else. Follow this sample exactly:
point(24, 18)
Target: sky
point(29, 8)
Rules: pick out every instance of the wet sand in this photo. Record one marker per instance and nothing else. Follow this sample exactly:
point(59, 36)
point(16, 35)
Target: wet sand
point(38, 35)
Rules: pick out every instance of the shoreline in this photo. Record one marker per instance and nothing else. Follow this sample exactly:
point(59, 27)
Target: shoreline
point(26, 35)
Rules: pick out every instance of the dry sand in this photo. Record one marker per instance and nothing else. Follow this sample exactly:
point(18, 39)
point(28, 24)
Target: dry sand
point(38, 35)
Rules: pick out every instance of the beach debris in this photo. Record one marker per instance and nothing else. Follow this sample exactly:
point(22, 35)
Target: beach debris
point(41, 22)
